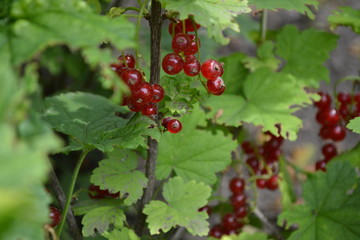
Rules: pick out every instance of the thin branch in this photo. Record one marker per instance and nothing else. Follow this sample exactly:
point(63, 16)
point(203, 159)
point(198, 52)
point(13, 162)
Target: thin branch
point(263, 26)
point(61, 199)
point(272, 228)
point(155, 22)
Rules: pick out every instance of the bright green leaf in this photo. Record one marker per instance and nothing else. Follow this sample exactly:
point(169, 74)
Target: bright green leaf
point(346, 16)
point(301, 6)
point(183, 201)
point(215, 15)
point(354, 125)
point(100, 219)
point(122, 233)
point(330, 210)
point(305, 53)
point(117, 174)
point(265, 58)
point(192, 153)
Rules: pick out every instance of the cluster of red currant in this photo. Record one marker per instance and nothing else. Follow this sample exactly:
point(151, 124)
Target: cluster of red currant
point(232, 222)
point(143, 94)
point(55, 216)
point(96, 193)
point(263, 160)
point(333, 120)
point(185, 45)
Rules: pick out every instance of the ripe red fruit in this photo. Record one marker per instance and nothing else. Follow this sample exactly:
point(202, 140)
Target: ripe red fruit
point(174, 126)
point(216, 231)
point(254, 163)
point(96, 193)
point(143, 94)
point(238, 200)
point(324, 101)
point(205, 208)
point(337, 133)
point(192, 68)
point(247, 148)
point(172, 64)
point(344, 111)
point(344, 98)
point(261, 183)
point(165, 121)
point(194, 45)
point(175, 27)
point(237, 185)
point(216, 86)
point(329, 151)
point(55, 216)
point(357, 97)
point(229, 221)
point(180, 42)
point(320, 165)
point(191, 25)
point(325, 132)
point(272, 183)
point(132, 77)
point(190, 58)
point(211, 69)
point(241, 212)
point(129, 60)
point(328, 117)
point(149, 110)
point(158, 93)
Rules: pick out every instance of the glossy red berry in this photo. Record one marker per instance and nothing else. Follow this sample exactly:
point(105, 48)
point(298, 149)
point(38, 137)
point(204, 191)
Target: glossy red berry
point(135, 106)
point(357, 97)
point(254, 163)
point(325, 132)
point(132, 77)
point(175, 27)
point(191, 25)
point(329, 151)
point(241, 212)
point(172, 64)
point(158, 91)
point(143, 94)
point(344, 98)
point(193, 47)
point(180, 42)
point(216, 86)
point(192, 68)
point(237, 185)
point(55, 216)
point(127, 60)
point(344, 111)
point(261, 183)
point(211, 69)
point(320, 165)
point(328, 117)
point(229, 221)
point(149, 110)
point(174, 126)
point(337, 133)
point(96, 193)
point(165, 121)
point(238, 200)
point(205, 209)
point(190, 58)
point(324, 102)
point(216, 231)
point(272, 183)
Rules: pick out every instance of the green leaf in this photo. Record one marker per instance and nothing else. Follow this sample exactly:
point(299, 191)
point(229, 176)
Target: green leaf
point(180, 96)
point(270, 99)
point(286, 188)
point(100, 219)
point(235, 72)
point(215, 15)
point(183, 201)
point(352, 156)
point(300, 6)
point(246, 236)
point(354, 125)
point(305, 53)
point(192, 153)
point(330, 210)
point(91, 122)
point(265, 58)
point(345, 16)
point(122, 233)
point(117, 174)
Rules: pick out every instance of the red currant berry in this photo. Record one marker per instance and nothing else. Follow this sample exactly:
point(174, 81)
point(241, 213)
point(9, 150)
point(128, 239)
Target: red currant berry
point(325, 132)
point(216, 231)
point(172, 64)
point(344, 98)
point(237, 185)
point(149, 110)
point(96, 193)
point(357, 97)
point(191, 25)
point(344, 111)
point(328, 117)
point(174, 126)
point(261, 183)
point(247, 148)
point(230, 232)
point(324, 102)
point(254, 163)
point(115, 67)
point(165, 121)
point(337, 133)
point(175, 27)
point(135, 106)
point(192, 68)
point(132, 78)
point(55, 216)
point(193, 46)
point(143, 94)
point(180, 42)
point(320, 165)
point(158, 93)
point(229, 221)
point(205, 209)
point(211, 69)
point(129, 60)
point(329, 151)
point(216, 86)
point(241, 212)
point(272, 183)
point(238, 200)
point(190, 58)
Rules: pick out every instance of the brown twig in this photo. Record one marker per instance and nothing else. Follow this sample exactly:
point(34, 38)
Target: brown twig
point(273, 229)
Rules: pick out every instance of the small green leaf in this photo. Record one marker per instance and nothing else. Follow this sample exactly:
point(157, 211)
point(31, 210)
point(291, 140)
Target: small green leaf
point(215, 15)
point(354, 125)
point(305, 53)
point(301, 6)
point(192, 153)
point(265, 58)
point(346, 16)
point(100, 219)
point(183, 201)
point(117, 174)
point(330, 209)
point(122, 233)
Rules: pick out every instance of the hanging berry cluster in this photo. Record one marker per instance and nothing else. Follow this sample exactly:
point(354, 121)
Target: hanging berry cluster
point(231, 223)
point(263, 160)
point(185, 46)
point(333, 120)
point(143, 95)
